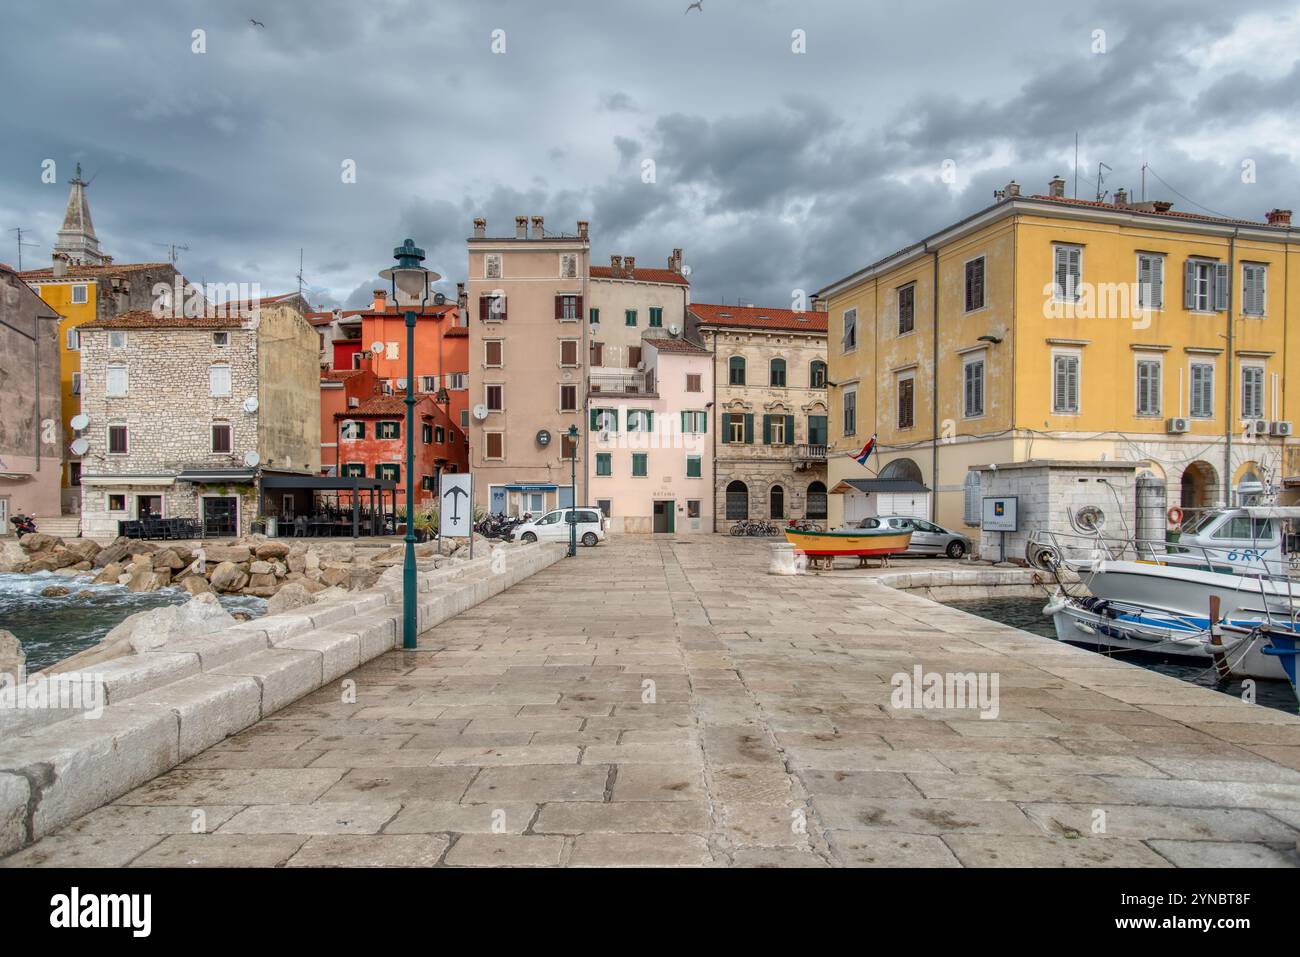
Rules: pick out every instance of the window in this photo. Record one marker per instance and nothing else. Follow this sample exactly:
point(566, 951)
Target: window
point(464, 418)
point(1065, 384)
point(74, 340)
point(975, 284)
point(495, 395)
point(492, 266)
point(439, 435)
point(1067, 279)
point(692, 508)
point(640, 420)
point(76, 383)
point(778, 430)
point(906, 309)
point(80, 294)
point(222, 339)
point(1205, 286)
point(776, 502)
point(738, 427)
point(456, 380)
point(568, 352)
point(568, 266)
point(776, 374)
point(736, 370)
point(906, 412)
point(737, 501)
point(354, 430)
point(492, 307)
point(219, 380)
point(973, 387)
point(850, 411)
point(656, 316)
point(816, 501)
point(605, 505)
point(116, 339)
point(629, 317)
point(1151, 281)
point(388, 472)
point(568, 398)
point(1253, 280)
point(118, 443)
point(221, 438)
point(388, 430)
point(568, 307)
point(849, 337)
point(1252, 392)
point(494, 353)
point(817, 375)
point(593, 315)
point(74, 474)
point(604, 420)
point(639, 464)
point(1202, 397)
point(426, 433)
point(693, 384)
point(693, 466)
point(428, 383)
point(354, 470)
point(494, 445)
point(356, 360)
point(1148, 386)
point(695, 423)
point(115, 380)
point(117, 502)
point(817, 430)
point(604, 463)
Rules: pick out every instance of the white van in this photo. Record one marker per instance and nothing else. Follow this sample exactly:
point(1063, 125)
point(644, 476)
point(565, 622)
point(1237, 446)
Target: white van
point(554, 526)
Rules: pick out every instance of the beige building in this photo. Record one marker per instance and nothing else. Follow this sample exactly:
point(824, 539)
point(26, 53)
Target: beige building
point(769, 412)
point(527, 348)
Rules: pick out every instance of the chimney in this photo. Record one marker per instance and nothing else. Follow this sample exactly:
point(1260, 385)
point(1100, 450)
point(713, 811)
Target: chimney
point(380, 303)
point(820, 305)
point(1056, 187)
point(629, 267)
point(675, 261)
point(1013, 189)
point(1279, 217)
point(480, 228)
point(538, 231)
point(583, 227)
point(60, 264)
point(616, 266)
point(1121, 197)
point(521, 227)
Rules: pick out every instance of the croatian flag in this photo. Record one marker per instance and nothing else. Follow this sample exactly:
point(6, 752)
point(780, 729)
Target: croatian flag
point(866, 451)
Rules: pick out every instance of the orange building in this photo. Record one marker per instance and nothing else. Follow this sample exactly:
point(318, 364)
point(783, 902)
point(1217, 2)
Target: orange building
point(372, 443)
point(340, 390)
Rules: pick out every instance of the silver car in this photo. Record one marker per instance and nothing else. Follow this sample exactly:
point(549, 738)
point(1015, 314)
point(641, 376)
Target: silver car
point(927, 537)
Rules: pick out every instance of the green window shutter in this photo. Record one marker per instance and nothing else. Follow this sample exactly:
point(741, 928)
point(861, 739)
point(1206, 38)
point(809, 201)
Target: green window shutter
point(649, 421)
point(685, 426)
point(726, 428)
point(593, 315)
point(604, 464)
point(692, 466)
point(629, 317)
point(704, 418)
point(789, 430)
point(749, 428)
point(767, 430)
point(638, 464)
point(594, 414)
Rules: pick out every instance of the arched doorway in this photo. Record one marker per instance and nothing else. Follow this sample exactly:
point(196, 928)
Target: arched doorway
point(902, 469)
point(737, 501)
point(816, 501)
point(1200, 486)
point(776, 502)
point(1249, 484)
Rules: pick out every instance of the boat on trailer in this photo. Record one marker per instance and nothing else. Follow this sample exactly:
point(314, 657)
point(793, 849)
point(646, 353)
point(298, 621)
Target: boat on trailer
point(862, 543)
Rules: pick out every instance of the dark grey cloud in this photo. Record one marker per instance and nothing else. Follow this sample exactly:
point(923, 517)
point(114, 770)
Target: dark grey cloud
point(774, 170)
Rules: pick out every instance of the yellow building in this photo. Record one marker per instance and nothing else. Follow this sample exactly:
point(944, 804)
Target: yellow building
point(1069, 330)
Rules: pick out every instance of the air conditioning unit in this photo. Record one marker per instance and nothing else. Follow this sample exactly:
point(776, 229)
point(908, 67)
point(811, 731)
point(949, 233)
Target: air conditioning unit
point(354, 403)
point(1177, 424)
point(1281, 429)
point(1259, 426)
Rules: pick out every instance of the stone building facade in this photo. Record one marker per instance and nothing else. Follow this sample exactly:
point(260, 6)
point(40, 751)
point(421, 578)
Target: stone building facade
point(184, 414)
point(769, 414)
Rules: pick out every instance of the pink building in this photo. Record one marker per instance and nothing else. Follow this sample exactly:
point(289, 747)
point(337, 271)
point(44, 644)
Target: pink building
point(650, 451)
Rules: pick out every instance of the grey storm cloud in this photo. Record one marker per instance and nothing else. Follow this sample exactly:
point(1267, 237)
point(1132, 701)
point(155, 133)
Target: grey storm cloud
point(776, 171)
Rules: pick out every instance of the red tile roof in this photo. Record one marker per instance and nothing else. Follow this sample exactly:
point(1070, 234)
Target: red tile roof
point(678, 346)
point(641, 274)
point(756, 317)
point(1172, 213)
point(92, 272)
point(385, 407)
point(337, 375)
point(144, 319)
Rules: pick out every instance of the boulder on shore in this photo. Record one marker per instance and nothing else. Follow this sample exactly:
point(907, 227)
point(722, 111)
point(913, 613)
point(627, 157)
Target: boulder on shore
point(228, 576)
point(290, 596)
point(54, 591)
point(39, 542)
point(12, 655)
point(151, 629)
point(270, 550)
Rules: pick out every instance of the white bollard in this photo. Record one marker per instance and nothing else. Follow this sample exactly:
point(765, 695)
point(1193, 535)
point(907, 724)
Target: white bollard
point(784, 559)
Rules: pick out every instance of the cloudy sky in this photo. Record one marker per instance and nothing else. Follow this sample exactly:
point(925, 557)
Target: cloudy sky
point(776, 170)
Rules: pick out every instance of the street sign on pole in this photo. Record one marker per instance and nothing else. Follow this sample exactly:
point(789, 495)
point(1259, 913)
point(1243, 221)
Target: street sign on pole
point(456, 505)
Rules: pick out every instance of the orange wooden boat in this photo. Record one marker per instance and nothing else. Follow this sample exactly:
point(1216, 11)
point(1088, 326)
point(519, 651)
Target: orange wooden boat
point(860, 542)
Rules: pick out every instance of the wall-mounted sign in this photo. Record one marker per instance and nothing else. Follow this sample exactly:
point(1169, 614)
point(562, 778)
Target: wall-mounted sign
point(1000, 514)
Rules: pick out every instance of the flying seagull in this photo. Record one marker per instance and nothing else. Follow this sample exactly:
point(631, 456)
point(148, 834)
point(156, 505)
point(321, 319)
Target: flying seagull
point(257, 23)
point(697, 5)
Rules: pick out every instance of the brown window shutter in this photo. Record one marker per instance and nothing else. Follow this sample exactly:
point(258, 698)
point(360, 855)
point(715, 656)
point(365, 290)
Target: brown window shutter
point(597, 353)
point(559, 306)
point(578, 310)
point(634, 356)
point(483, 302)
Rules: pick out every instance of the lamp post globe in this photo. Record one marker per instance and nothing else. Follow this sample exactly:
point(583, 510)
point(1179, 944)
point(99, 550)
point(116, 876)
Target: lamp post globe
point(410, 283)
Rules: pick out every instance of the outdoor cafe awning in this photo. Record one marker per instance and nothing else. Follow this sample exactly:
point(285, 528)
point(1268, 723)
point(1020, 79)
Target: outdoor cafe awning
point(345, 483)
point(149, 481)
point(850, 486)
point(217, 476)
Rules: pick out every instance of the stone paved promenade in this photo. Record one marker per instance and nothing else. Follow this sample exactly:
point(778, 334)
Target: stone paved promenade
point(518, 735)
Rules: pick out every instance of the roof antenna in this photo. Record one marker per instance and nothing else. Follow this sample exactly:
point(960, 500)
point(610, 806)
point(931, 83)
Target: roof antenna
point(1100, 179)
point(300, 279)
point(1076, 165)
point(21, 244)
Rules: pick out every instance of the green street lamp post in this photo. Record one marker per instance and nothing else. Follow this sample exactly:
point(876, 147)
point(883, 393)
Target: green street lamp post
point(573, 490)
point(410, 283)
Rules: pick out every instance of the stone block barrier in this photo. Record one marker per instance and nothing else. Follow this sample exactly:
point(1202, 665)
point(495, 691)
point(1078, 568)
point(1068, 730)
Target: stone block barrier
point(166, 704)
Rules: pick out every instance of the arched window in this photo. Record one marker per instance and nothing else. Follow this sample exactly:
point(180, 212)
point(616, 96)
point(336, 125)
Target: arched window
point(776, 374)
point(817, 500)
point(776, 502)
point(737, 501)
point(736, 370)
point(817, 375)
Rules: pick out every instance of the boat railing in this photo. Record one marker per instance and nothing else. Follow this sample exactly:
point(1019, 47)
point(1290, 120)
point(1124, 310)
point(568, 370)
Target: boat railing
point(1081, 551)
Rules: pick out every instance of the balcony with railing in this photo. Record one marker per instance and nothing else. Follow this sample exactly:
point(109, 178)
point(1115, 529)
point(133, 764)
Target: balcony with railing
point(623, 384)
point(810, 455)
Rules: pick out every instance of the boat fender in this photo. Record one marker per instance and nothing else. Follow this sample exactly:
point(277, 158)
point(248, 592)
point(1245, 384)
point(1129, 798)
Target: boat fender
point(1086, 629)
point(1055, 603)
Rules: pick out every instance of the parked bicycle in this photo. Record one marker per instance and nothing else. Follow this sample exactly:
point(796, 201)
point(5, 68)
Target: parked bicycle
point(754, 528)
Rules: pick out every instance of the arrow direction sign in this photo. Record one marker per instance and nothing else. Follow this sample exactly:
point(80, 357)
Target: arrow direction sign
point(455, 517)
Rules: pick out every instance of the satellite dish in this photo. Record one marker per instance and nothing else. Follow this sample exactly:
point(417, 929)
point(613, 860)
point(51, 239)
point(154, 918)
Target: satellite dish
point(673, 330)
point(480, 411)
point(79, 422)
point(401, 384)
point(79, 446)
point(251, 459)
point(376, 347)
point(250, 404)
point(543, 437)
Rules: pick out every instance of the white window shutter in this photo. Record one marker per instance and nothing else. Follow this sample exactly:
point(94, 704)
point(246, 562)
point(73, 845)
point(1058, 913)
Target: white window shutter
point(1189, 284)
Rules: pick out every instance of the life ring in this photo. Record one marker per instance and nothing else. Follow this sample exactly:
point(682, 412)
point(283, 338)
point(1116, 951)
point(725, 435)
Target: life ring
point(1175, 515)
